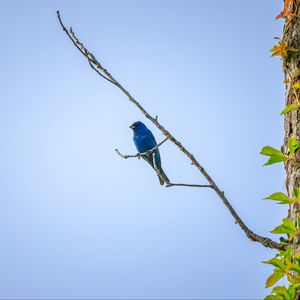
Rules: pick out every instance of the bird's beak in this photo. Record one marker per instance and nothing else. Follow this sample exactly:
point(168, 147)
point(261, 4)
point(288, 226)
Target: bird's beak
point(131, 126)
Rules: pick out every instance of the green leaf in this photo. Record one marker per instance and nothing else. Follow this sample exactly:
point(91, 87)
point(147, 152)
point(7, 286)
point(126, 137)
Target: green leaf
point(287, 227)
point(279, 196)
point(270, 151)
point(295, 268)
point(275, 262)
point(291, 292)
point(296, 192)
point(275, 159)
point(277, 275)
point(274, 297)
point(275, 155)
point(296, 85)
point(287, 222)
point(287, 258)
point(292, 278)
point(297, 258)
point(293, 145)
point(280, 290)
point(295, 286)
point(280, 253)
point(289, 108)
point(292, 235)
point(281, 229)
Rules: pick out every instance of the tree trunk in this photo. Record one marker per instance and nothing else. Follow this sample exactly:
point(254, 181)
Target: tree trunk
point(292, 119)
point(291, 68)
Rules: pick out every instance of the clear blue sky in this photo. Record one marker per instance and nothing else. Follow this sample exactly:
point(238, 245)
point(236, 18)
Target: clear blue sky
point(77, 221)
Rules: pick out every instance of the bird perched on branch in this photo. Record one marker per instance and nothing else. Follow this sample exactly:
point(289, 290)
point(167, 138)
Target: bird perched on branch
point(144, 141)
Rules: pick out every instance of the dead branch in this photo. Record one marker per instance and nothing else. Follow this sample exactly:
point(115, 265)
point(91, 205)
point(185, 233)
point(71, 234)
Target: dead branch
point(97, 67)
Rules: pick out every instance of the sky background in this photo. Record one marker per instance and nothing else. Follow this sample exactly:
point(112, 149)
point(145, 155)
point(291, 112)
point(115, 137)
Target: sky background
point(76, 220)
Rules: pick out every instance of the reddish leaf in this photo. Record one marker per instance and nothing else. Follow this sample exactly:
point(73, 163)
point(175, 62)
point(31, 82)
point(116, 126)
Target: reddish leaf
point(281, 15)
point(286, 12)
point(287, 4)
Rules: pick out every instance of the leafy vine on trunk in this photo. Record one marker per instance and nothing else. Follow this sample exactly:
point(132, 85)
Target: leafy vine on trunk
point(287, 262)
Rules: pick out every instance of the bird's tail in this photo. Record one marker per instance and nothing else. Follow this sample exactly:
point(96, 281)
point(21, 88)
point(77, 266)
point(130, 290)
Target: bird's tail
point(163, 178)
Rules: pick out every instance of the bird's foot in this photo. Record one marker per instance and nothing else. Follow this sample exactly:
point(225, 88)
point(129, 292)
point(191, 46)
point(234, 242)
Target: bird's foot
point(148, 153)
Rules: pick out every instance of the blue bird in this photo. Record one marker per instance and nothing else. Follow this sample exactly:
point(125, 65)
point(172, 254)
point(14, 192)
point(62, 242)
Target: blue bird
point(144, 141)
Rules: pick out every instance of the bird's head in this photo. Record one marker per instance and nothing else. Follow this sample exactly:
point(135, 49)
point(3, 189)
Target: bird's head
point(137, 126)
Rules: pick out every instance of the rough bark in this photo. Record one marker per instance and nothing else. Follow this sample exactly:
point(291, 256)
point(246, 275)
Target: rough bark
point(291, 68)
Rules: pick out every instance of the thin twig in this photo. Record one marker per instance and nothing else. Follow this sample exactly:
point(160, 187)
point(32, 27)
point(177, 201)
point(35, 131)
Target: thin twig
point(170, 184)
point(80, 47)
point(89, 56)
point(138, 155)
point(250, 234)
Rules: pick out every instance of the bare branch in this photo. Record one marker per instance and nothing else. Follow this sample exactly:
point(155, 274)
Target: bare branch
point(189, 185)
point(89, 56)
point(94, 63)
point(138, 155)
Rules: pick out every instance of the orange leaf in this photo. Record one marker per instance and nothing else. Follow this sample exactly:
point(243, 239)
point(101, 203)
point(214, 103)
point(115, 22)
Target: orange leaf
point(282, 49)
point(286, 12)
point(281, 15)
point(287, 4)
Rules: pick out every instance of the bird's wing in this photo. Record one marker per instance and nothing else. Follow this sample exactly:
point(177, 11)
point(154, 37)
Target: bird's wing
point(150, 143)
point(149, 140)
point(145, 141)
